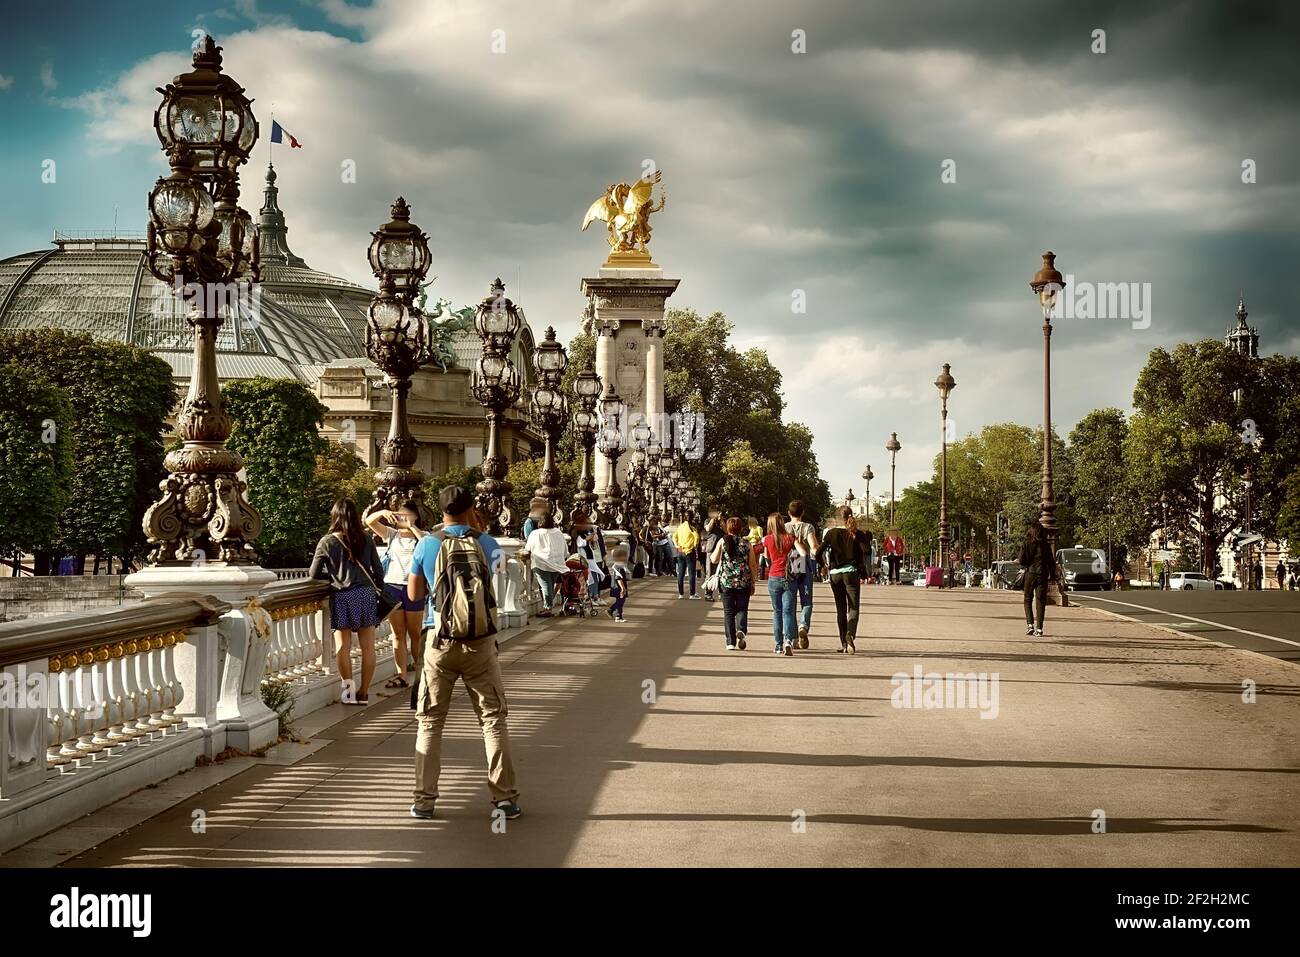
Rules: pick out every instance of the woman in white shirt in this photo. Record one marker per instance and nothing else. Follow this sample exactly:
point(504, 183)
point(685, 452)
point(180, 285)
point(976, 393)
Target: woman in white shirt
point(548, 550)
point(401, 532)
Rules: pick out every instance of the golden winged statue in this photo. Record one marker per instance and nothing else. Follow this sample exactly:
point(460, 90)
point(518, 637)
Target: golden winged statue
point(627, 208)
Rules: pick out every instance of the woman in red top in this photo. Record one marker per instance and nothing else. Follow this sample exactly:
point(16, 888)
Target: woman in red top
point(782, 589)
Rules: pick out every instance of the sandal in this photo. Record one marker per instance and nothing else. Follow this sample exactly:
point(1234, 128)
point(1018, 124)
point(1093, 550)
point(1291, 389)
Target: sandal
point(397, 681)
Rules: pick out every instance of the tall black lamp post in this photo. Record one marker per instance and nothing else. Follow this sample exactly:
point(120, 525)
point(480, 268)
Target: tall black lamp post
point(550, 410)
point(892, 447)
point(611, 444)
point(945, 383)
point(199, 239)
point(497, 388)
point(867, 476)
point(586, 422)
point(1047, 285)
point(397, 341)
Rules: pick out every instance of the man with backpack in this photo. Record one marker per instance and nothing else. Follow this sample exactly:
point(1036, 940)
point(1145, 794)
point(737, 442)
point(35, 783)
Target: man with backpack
point(456, 565)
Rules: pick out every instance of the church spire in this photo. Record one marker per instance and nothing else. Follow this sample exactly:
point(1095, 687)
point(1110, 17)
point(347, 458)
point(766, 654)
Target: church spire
point(1242, 338)
point(272, 233)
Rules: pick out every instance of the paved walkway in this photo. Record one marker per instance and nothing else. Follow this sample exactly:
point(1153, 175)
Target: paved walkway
point(753, 759)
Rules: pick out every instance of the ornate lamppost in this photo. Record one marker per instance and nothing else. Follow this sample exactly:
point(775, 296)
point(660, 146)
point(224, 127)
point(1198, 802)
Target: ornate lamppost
point(611, 444)
point(202, 242)
point(945, 383)
point(1047, 285)
point(849, 499)
point(586, 421)
point(397, 341)
point(497, 387)
point(550, 410)
point(867, 476)
point(637, 494)
point(892, 447)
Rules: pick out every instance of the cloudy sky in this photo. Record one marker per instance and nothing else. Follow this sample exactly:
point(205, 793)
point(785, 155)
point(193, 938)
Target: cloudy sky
point(903, 164)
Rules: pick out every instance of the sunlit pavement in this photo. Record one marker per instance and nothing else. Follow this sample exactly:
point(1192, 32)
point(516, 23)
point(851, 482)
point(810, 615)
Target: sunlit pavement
point(647, 743)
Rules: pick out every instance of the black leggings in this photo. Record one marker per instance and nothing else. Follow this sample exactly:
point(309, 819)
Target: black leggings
point(1035, 598)
point(847, 589)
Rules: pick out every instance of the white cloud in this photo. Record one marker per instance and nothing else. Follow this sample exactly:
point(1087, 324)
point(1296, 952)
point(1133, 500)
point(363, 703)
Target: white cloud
point(6, 81)
point(48, 81)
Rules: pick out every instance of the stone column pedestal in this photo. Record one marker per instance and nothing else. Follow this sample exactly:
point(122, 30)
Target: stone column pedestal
point(243, 634)
point(629, 302)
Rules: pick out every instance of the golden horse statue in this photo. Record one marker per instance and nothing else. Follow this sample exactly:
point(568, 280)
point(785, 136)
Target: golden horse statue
point(626, 208)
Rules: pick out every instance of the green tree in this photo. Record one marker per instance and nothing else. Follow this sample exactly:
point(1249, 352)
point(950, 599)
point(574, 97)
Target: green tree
point(36, 461)
point(1288, 518)
point(121, 396)
point(738, 394)
point(339, 473)
point(1184, 443)
point(276, 426)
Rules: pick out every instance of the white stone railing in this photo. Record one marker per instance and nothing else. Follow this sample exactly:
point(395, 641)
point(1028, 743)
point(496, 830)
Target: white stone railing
point(95, 706)
point(290, 574)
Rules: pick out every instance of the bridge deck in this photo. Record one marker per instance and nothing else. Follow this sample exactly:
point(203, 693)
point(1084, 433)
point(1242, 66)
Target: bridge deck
point(1101, 714)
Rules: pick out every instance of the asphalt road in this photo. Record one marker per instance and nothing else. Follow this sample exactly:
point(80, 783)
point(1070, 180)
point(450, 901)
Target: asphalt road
point(1263, 621)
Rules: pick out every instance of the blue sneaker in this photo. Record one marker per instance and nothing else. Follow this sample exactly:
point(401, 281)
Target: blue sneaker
point(424, 814)
point(510, 808)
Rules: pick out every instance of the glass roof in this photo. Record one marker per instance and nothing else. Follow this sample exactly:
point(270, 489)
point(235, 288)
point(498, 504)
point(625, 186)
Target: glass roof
point(102, 289)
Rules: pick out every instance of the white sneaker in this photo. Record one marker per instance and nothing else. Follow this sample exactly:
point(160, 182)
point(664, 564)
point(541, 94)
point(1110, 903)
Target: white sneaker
point(731, 647)
point(695, 598)
point(680, 597)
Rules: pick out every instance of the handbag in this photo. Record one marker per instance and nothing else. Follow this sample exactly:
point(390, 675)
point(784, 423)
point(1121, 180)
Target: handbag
point(384, 601)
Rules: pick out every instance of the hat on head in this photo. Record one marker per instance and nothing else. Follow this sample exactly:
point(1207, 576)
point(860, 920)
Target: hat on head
point(455, 500)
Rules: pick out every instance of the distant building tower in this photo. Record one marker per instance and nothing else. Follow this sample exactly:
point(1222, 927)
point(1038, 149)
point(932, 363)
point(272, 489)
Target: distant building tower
point(1242, 338)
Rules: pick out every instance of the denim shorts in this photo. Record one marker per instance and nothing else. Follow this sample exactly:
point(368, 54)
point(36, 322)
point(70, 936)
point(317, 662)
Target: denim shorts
point(399, 592)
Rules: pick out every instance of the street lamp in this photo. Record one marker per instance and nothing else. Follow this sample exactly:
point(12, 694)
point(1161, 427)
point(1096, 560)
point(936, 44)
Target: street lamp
point(640, 436)
point(611, 443)
point(200, 241)
point(1047, 285)
point(945, 383)
point(550, 409)
point(849, 499)
point(892, 447)
point(397, 341)
point(867, 476)
point(497, 387)
point(586, 387)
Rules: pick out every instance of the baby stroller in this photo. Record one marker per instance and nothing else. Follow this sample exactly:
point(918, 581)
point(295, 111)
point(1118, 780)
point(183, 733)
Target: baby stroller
point(573, 589)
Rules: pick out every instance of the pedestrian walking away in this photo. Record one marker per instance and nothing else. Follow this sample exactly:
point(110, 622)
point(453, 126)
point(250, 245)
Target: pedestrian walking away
point(783, 577)
point(454, 568)
point(737, 564)
point(806, 567)
point(845, 554)
point(346, 558)
point(686, 540)
point(1040, 568)
point(401, 532)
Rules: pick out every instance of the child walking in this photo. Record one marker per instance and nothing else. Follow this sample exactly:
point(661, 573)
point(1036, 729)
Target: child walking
point(620, 575)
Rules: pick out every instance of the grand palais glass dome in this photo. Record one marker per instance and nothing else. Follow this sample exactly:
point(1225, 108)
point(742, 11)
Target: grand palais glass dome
point(99, 285)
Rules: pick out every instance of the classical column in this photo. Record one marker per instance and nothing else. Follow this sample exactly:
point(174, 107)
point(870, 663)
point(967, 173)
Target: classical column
point(606, 339)
point(654, 373)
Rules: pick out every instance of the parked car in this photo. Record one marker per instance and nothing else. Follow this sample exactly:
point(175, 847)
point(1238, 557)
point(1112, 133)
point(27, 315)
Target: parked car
point(1083, 568)
point(1192, 581)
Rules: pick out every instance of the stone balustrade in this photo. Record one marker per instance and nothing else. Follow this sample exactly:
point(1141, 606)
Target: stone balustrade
point(97, 704)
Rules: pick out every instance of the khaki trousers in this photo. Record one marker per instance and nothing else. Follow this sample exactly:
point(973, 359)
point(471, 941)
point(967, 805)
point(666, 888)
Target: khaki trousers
point(476, 663)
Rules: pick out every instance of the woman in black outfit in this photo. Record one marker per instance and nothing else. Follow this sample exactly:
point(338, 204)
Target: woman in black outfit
point(346, 558)
point(845, 553)
point(1040, 567)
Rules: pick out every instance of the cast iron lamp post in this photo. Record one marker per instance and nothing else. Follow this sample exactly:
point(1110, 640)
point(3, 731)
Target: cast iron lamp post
point(849, 499)
point(397, 341)
point(497, 388)
point(892, 447)
point(611, 444)
point(586, 387)
point(1047, 285)
point(201, 241)
point(550, 410)
point(945, 383)
point(867, 476)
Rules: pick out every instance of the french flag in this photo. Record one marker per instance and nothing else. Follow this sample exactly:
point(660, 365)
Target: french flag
point(279, 134)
